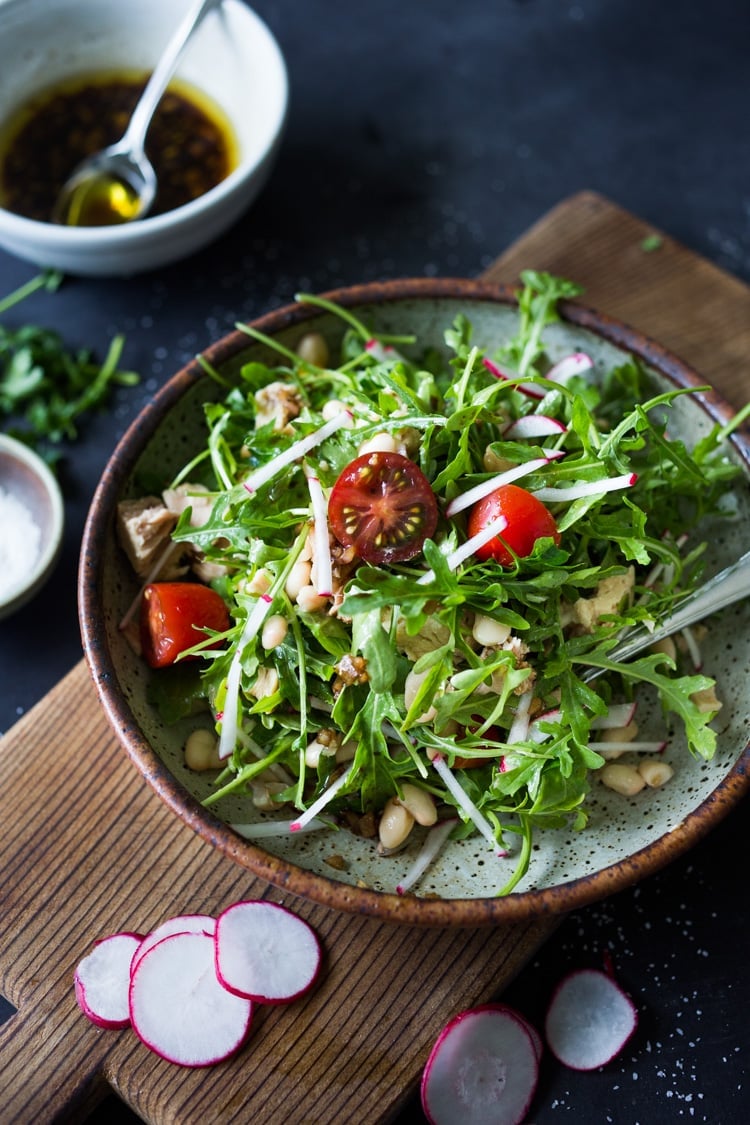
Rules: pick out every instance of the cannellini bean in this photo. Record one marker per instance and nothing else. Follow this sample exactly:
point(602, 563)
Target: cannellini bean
point(412, 685)
point(202, 751)
point(309, 600)
point(264, 794)
point(346, 752)
point(620, 734)
point(315, 750)
point(333, 408)
point(275, 630)
point(260, 583)
point(419, 803)
point(299, 576)
point(665, 645)
point(379, 443)
point(655, 772)
point(266, 683)
point(494, 464)
point(313, 348)
point(621, 778)
point(395, 825)
point(486, 631)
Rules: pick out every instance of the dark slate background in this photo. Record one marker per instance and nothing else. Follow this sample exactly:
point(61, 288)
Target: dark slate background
point(422, 139)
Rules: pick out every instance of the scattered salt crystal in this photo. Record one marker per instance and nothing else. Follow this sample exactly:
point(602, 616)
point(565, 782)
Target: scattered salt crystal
point(19, 545)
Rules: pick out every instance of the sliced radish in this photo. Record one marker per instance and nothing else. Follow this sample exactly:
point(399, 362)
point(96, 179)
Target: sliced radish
point(618, 715)
point(530, 389)
point(533, 425)
point(180, 924)
point(433, 844)
point(483, 1068)
point(266, 953)
point(479, 491)
point(578, 363)
point(102, 978)
point(586, 488)
point(589, 1020)
point(293, 453)
point(466, 805)
point(179, 1008)
point(536, 1038)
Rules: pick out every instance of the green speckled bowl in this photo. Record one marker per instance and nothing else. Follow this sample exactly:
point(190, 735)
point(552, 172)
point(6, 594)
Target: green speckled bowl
point(626, 838)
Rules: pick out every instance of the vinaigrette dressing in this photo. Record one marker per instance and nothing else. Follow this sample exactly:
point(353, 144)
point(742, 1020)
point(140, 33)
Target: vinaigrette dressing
point(190, 143)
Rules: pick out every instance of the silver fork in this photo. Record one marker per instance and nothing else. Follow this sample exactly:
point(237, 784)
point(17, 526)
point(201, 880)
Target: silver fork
point(728, 586)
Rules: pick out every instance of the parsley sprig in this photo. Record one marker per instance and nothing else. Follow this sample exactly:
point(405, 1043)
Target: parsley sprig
point(45, 388)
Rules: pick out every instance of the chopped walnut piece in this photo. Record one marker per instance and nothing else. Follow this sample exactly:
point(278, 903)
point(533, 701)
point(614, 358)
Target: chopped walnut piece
point(350, 670)
point(277, 403)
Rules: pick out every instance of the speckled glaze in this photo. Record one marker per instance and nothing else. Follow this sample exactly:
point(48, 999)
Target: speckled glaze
point(626, 838)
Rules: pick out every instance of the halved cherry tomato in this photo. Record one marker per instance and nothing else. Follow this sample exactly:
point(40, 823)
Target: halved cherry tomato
point(382, 505)
point(172, 616)
point(528, 520)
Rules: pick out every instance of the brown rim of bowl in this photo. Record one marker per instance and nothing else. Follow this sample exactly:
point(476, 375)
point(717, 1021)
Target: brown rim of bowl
point(408, 909)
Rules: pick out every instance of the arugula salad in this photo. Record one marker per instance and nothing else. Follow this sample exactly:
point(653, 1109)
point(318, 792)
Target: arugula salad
point(414, 572)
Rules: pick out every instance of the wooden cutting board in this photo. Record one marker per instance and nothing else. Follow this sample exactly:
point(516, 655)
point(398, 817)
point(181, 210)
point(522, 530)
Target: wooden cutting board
point(88, 849)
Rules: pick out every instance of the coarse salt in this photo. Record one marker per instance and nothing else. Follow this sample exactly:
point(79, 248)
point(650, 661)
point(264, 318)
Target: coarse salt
point(19, 543)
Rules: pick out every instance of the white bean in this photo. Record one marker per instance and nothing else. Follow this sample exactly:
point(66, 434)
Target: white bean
point(264, 794)
point(622, 779)
point(395, 825)
point(274, 631)
point(260, 583)
point(266, 683)
point(419, 803)
point(655, 772)
point(487, 631)
point(202, 751)
point(313, 348)
point(309, 600)
point(298, 577)
point(412, 685)
point(378, 443)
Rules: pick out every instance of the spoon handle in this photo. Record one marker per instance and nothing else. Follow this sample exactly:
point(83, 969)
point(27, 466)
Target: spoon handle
point(135, 134)
point(728, 586)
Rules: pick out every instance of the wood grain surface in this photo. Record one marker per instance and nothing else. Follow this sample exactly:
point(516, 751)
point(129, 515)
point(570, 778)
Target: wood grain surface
point(87, 849)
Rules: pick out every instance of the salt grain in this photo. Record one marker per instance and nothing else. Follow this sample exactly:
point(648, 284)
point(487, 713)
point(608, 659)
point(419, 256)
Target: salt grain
point(19, 545)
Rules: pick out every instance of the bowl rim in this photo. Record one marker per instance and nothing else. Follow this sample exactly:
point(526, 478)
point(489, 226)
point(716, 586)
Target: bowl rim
point(60, 237)
point(53, 531)
point(519, 906)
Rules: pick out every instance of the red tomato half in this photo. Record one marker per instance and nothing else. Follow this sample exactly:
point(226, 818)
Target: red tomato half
point(528, 520)
point(172, 615)
point(382, 505)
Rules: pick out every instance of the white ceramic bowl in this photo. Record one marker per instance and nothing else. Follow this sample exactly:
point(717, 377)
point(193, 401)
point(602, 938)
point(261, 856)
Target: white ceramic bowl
point(31, 500)
point(232, 58)
point(625, 839)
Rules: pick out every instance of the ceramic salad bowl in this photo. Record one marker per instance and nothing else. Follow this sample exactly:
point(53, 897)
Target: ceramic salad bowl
point(626, 837)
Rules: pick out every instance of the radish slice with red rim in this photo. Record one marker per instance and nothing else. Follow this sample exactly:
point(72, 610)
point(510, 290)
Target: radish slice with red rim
point(265, 952)
point(179, 924)
point(179, 1008)
point(589, 1021)
point(102, 978)
point(483, 1067)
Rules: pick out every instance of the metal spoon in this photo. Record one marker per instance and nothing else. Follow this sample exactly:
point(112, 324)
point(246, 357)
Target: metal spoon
point(120, 180)
point(728, 586)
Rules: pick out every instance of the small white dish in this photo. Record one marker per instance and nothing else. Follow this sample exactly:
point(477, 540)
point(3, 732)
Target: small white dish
point(32, 506)
point(232, 59)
